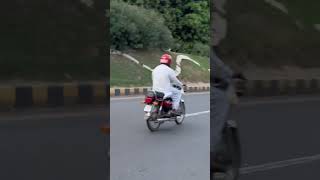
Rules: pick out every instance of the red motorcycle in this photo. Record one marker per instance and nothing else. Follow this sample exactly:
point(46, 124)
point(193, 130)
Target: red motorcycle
point(158, 109)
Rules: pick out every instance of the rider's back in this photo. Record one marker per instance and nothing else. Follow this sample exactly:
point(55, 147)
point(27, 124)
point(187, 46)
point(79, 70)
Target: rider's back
point(161, 78)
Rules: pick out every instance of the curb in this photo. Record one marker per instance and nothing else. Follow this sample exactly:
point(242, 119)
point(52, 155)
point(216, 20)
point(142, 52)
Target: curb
point(143, 90)
point(263, 88)
point(68, 94)
point(53, 95)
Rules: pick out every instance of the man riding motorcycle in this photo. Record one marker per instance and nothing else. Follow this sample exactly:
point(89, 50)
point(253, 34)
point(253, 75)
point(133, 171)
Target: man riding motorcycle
point(163, 78)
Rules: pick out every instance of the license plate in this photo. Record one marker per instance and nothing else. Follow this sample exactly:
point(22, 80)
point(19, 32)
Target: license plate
point(147, 108)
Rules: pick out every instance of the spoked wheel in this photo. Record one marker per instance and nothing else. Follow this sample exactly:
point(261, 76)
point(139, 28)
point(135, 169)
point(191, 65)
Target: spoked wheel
point(152, 123)
point(180, 119)
point(229, 159)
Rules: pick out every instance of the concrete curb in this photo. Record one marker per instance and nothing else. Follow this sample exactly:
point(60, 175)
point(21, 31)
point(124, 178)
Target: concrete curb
point(68, 94)
point(143, 90)
point(263, 88)
point(53, 95)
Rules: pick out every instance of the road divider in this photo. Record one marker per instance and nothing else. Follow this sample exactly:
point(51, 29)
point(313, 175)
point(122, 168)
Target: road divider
point(264, 88)
point(122, 98)
point(86, 93)
point(53, 95)
point(143, 90)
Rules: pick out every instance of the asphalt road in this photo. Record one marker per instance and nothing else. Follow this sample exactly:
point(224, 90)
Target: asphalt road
point(174, 152)
point(280, 138)
point(59, 145)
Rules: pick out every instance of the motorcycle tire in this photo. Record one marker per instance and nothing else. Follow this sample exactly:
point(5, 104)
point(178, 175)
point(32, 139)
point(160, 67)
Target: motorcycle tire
point(152, 123)
point(183, 114)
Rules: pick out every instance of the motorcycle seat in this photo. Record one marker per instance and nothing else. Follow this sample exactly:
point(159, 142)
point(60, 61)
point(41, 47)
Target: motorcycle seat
point(159, 95)
point(155, 94)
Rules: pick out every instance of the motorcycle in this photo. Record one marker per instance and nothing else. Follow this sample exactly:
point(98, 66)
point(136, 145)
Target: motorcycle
point(226, 163)
point(158, 107)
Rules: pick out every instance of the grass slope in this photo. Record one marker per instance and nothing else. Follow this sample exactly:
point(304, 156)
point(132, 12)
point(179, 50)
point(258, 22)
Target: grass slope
point(125, 73)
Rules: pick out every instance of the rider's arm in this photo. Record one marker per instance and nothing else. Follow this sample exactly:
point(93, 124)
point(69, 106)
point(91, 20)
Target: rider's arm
point(174, 79)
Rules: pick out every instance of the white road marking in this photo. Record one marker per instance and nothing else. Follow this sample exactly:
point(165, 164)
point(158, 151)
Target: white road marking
point(279, 164)
point(197, 113)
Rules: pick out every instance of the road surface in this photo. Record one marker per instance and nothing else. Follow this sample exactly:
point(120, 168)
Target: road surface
point(59, 145)
point(280, 138)
point(174, 152)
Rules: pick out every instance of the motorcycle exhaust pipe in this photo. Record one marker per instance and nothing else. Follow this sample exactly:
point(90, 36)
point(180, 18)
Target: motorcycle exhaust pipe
point(165, 119)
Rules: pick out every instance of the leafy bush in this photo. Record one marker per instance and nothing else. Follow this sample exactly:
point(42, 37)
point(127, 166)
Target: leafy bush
point(136, 27)
point(196, 48)
point(188, 21)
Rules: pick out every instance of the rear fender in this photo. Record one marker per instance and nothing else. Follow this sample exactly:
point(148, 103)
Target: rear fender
point(155, 109)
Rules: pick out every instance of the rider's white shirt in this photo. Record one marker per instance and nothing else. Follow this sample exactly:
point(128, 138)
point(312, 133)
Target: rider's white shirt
point(163, 77)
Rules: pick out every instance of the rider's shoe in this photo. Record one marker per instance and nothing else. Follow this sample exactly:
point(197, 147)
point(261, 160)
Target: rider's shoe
point(174, 113)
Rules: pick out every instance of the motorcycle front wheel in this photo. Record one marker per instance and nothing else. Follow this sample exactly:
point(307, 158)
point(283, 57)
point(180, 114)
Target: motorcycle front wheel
point(180, 119)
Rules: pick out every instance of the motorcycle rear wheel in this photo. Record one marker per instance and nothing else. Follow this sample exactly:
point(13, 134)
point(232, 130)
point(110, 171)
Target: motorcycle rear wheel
point(152, 123)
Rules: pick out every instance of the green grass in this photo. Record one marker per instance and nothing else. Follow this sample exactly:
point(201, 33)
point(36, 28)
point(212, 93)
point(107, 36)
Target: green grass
point(204, 61)
point(198, 73)
point(126, 73)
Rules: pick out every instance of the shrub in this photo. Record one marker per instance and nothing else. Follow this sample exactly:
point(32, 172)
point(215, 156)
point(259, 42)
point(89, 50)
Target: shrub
point(136, 27)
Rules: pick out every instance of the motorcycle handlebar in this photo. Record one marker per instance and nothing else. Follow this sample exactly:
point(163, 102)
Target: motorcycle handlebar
point(177, 87)
point(183, 87)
